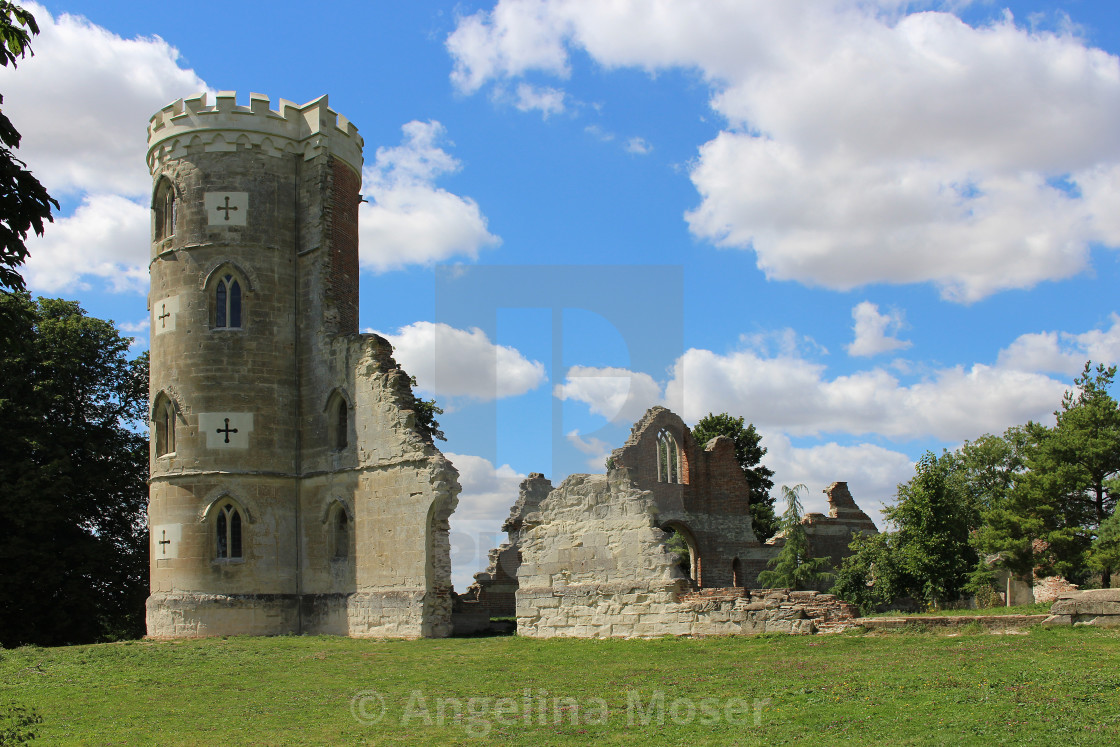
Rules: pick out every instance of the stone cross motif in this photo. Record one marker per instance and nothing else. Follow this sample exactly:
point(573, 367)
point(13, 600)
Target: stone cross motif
point(227, 207)
point(163, 317)
point(164, 542)
point(227, 430)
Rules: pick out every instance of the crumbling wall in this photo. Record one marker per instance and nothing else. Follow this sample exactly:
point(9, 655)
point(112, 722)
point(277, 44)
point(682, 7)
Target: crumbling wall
point(493, 593)
point(829, 536)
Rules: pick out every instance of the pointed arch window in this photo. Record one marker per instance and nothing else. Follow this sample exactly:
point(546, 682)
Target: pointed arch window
point(164, 417)
point(338, 420)
point(341, 530)
point(227, 528)
point(163, 209)
point(668, 458)
point(227, 302)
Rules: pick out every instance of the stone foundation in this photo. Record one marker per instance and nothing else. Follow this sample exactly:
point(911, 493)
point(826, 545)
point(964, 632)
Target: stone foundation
point(1096, 607)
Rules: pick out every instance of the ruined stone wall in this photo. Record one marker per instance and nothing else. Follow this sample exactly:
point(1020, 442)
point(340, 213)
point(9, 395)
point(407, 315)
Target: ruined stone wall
point(829, 536)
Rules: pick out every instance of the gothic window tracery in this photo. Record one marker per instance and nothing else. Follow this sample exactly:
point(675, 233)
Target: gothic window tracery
point(668, 458)
point(227, 302)
point(227, 528)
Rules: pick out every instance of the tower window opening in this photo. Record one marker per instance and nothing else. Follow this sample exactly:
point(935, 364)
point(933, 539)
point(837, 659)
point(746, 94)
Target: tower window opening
point(340, 425)
point(163, 205)
point(165, 428)
point(341, 535)
point(228, 528)
point(227, 303)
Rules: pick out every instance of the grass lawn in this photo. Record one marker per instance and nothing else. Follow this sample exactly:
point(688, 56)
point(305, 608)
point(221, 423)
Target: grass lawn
point(1041, 608)
point(1049, 686)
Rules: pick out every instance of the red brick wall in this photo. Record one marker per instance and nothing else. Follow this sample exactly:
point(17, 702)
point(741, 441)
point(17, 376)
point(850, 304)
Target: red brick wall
point(343, 280)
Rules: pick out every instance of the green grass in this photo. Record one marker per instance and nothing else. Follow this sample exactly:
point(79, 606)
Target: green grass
point(1041, 608)
point(1050, 686)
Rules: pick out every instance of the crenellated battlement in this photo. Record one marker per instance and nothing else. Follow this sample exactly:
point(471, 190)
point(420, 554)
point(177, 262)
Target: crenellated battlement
point(222, 125)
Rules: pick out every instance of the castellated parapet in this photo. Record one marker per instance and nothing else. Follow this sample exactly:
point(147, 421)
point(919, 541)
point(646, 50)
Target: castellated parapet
point(291, 489)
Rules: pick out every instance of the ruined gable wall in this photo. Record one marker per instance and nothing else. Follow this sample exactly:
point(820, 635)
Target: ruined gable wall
point(829, 536)
point(712, 502)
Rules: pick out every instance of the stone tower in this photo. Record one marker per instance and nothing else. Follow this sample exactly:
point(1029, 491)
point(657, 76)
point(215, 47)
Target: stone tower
point(291, 489)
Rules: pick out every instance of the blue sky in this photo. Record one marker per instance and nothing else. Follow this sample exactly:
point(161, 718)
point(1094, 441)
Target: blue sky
point(870, 227)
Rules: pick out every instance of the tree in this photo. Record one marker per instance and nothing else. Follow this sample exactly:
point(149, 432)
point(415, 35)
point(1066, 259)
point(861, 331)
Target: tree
point(73, 471)
point(1105, 552)
point(1046, 523)
point(748, 452)
point(935, 516)
point(24, 202)
point(426, 411)
point(928, 556)
point(793, 568)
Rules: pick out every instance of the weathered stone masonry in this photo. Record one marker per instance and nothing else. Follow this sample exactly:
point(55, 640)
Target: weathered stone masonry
point(290, 488)
point(593, 559)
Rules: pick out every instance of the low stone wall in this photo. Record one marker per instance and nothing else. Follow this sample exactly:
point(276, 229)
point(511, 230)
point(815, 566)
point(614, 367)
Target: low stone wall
point(1097, 607)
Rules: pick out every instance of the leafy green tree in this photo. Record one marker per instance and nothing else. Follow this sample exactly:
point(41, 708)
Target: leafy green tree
point(793, 568)
point(73, 471)
point(24, 202)
point(935, 516)
point(1059, 501)
point(928, 555)
point(871, 577)
point(426, 411)
point(748, 452)
point(1105, 552)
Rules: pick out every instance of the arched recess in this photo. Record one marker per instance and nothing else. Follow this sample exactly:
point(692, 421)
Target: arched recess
point(227, 287)
point(694, 564)
point(227, 520)
point(340, 423)
point(737, 573)
point(164, 414)
point(338, 522)
point(164, 209)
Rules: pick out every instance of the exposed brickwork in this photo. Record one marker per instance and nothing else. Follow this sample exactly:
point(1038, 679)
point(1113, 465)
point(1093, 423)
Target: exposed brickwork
point(343, 210)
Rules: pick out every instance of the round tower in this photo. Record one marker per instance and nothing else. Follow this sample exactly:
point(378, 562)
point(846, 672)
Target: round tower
point(253, 274)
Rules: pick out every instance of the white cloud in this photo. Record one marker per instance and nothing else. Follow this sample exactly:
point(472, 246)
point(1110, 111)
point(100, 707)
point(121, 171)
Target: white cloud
point(863, 143)
point(787, 393)
point(1063, 352)
point(488, 493)
point(82, 100)
point(638, 146)
point(596, 448)
point(451, 362)
point(106, 237)
point(409, 220)
point(546, 100)
point(619, 395)
point(871, 331)
point(872, 472)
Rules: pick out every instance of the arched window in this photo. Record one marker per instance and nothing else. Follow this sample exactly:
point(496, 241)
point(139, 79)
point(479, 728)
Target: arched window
point(227, 302)
point(227, 527)
point(668, 458)
point(338, 420)
point(736, 573)
point(341, 529)
point(163, 209)
point(164, 417)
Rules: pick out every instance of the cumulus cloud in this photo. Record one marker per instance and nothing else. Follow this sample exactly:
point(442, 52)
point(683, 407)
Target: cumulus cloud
point(408, 219)
point(596, 448)
point(618, 394)
point(639, 146)
point(106, 237)
point(863, 142)
point(871, 331)
point(451, 362)
point(1063, 352)
point(872, 472)
point(83, 136)
point(488, 493)
point(540, 98)
point(787, 393)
